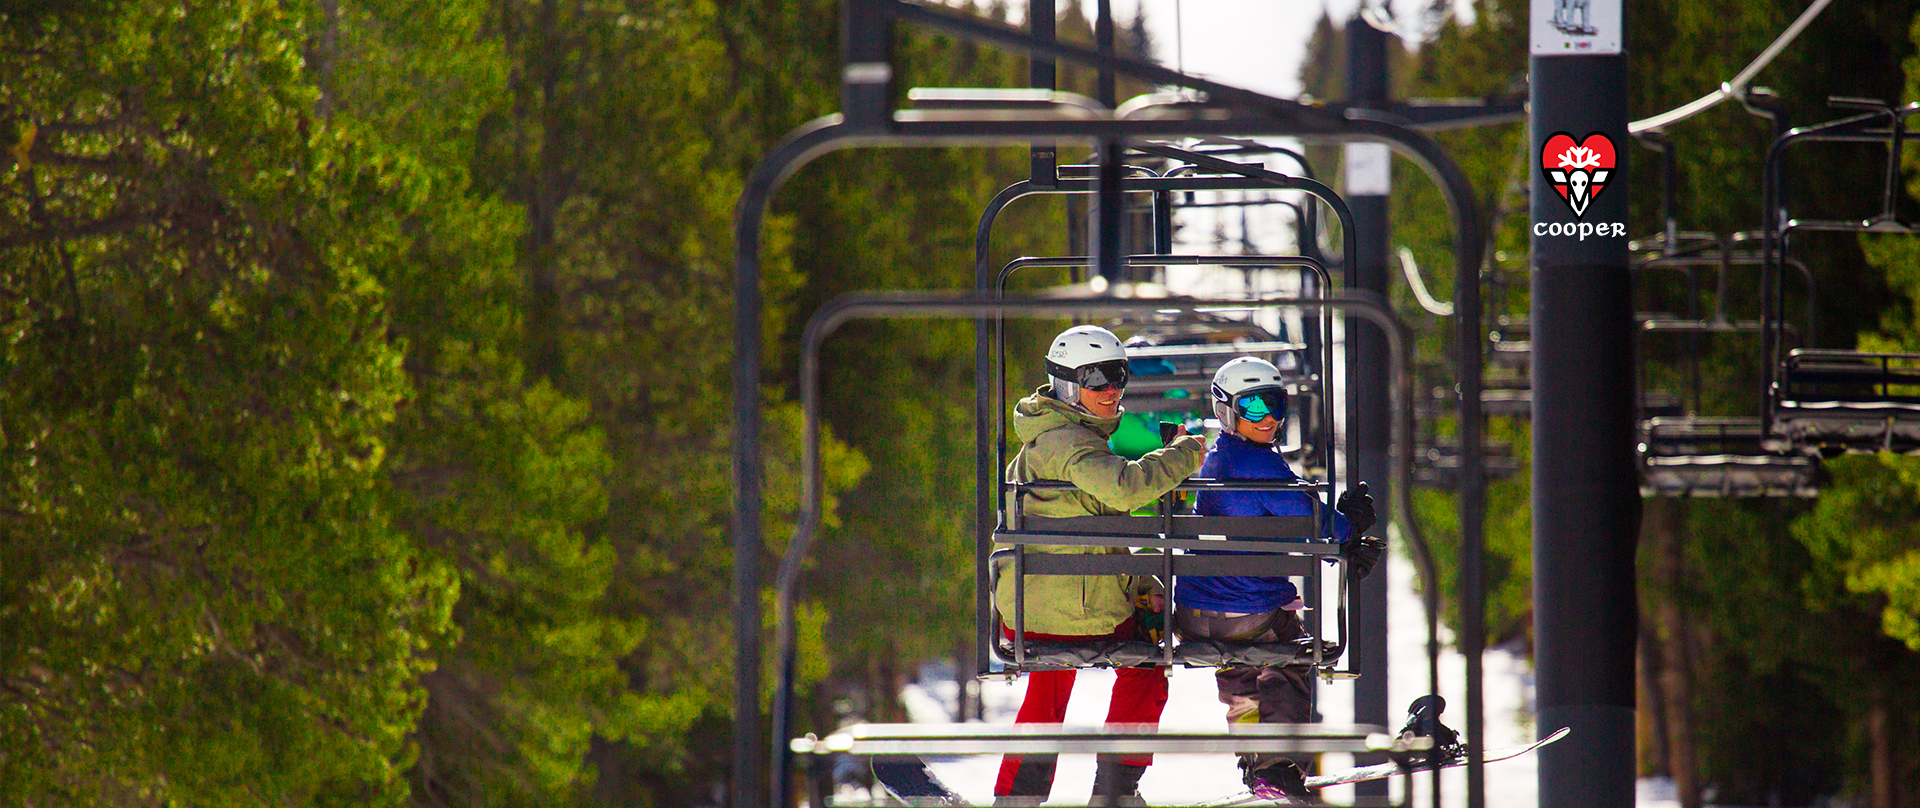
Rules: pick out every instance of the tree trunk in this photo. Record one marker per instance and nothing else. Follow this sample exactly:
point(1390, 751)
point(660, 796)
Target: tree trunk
point(966, 703)
point(1650, 703)
point(1880, 752)
point(544, 102)
point(324, 55)
point(883, 688)
point(1662, 526)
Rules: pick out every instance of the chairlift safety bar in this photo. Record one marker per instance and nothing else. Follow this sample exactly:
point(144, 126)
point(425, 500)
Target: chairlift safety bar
point(988, 739)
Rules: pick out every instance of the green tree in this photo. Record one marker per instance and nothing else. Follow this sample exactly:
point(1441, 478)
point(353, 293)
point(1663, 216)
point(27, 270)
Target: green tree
point(500, 474)
point(208, 598)
point(622, 136)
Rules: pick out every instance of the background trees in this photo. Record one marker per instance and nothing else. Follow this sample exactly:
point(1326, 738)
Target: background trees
point(366, 364)
point(207, 594)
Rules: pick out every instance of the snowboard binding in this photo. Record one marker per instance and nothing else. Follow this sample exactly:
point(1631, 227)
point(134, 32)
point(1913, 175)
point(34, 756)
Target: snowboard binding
point(1424, 741)
point(1279, 779)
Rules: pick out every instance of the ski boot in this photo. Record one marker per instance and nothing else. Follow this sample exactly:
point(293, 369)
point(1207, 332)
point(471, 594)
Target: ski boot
point(1280, 780)
point(1118, 780)
point(1424, 741)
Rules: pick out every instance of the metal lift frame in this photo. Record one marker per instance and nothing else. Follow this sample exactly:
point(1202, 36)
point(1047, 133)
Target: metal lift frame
point(1883, 123)
point(845, 308)
point(1722, 448)
point(868, 120)
point(1735, 446)
point(1238, 177)
point(1179, 178)
point(1248, 177)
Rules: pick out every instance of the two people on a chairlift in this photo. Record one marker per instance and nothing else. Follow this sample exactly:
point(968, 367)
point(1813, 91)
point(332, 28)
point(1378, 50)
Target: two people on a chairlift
point(1064, 427)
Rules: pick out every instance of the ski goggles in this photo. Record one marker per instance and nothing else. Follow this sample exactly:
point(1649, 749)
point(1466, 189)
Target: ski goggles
point(1259, 405)
point(1097, 377)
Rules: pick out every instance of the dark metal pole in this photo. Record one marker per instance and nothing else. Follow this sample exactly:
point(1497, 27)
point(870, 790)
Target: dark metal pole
point(1163, 223)
point(1103, 42)
point(749, 768)
point(1044, 157)
point(1367, 185)
point(1586, 501)
point(1109, 203)
point(1109, 212)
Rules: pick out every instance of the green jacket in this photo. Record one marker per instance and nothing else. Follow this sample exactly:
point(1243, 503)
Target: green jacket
point(1066, 443)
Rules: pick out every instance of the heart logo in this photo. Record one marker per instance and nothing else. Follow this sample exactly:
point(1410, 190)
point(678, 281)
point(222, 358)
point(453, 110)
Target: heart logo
point(1579, 171)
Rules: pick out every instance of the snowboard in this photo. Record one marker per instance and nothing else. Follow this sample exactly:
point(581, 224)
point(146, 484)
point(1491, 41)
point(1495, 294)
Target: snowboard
point(909, 780)
point(1390, 769)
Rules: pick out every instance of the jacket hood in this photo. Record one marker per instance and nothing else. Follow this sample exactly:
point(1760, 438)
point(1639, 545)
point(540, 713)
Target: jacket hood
point(1041, 412)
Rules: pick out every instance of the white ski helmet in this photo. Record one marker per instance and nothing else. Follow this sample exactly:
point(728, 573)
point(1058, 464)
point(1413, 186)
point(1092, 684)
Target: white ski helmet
point(1240, 377)
point(1085, 356)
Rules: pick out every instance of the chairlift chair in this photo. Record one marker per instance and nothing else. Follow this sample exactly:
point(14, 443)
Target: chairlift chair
point(1825, 400)
point(1682, 451)
point(1043, 120)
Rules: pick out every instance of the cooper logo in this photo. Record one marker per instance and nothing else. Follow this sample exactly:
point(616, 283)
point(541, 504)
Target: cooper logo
point(1578, 171)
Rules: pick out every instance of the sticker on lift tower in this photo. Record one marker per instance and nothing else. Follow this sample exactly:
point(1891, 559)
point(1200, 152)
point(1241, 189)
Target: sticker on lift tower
point(1574, 28)
point(1578, 172)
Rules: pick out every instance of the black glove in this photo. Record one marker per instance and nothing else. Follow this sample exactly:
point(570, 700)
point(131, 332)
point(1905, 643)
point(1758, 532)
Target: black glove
point(1357, 505)
point(1361, 552)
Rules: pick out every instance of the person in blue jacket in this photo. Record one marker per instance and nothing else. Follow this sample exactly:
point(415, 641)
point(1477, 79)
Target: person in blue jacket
point(1250, 401)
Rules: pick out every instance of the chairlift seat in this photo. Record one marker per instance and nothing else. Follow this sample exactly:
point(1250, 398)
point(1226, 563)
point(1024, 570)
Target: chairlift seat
point(1856, 376)
point(1720, 456)
point(1255, 545)
point(1437, 463)
point(1192, 653)
point(1852, 401)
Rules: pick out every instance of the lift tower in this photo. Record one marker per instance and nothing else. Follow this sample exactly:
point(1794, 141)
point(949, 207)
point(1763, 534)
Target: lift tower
point(1586, 500)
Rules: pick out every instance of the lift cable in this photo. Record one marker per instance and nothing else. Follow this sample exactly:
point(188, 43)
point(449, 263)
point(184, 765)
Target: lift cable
point(1737, 88)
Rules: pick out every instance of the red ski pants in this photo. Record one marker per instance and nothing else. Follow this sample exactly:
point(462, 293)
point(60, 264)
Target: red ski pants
point(1139, 694)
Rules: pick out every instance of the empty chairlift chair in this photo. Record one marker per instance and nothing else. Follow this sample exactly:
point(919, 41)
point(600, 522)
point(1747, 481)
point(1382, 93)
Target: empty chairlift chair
point(1836, 401)
point(1683, 451)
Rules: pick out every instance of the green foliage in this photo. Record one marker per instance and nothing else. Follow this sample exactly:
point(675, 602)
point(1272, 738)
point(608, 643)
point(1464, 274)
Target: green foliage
point(899, 569)
point(207, 598)
point(279, 485)
point(1508, 562)
point(1862, 536)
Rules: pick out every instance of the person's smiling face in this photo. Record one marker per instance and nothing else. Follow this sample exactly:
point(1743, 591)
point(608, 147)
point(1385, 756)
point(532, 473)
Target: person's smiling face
point(1102, 403)
point(1260, 431)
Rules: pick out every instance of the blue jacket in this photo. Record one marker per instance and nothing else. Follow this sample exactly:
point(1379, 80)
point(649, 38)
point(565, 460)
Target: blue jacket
point(1236, 458)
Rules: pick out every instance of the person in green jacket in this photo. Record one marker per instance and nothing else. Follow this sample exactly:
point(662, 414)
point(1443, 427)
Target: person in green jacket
point(1063, 428)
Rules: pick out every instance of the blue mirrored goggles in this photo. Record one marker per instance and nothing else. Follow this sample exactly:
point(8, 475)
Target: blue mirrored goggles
point(1098, 377)
point(1259, 405)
